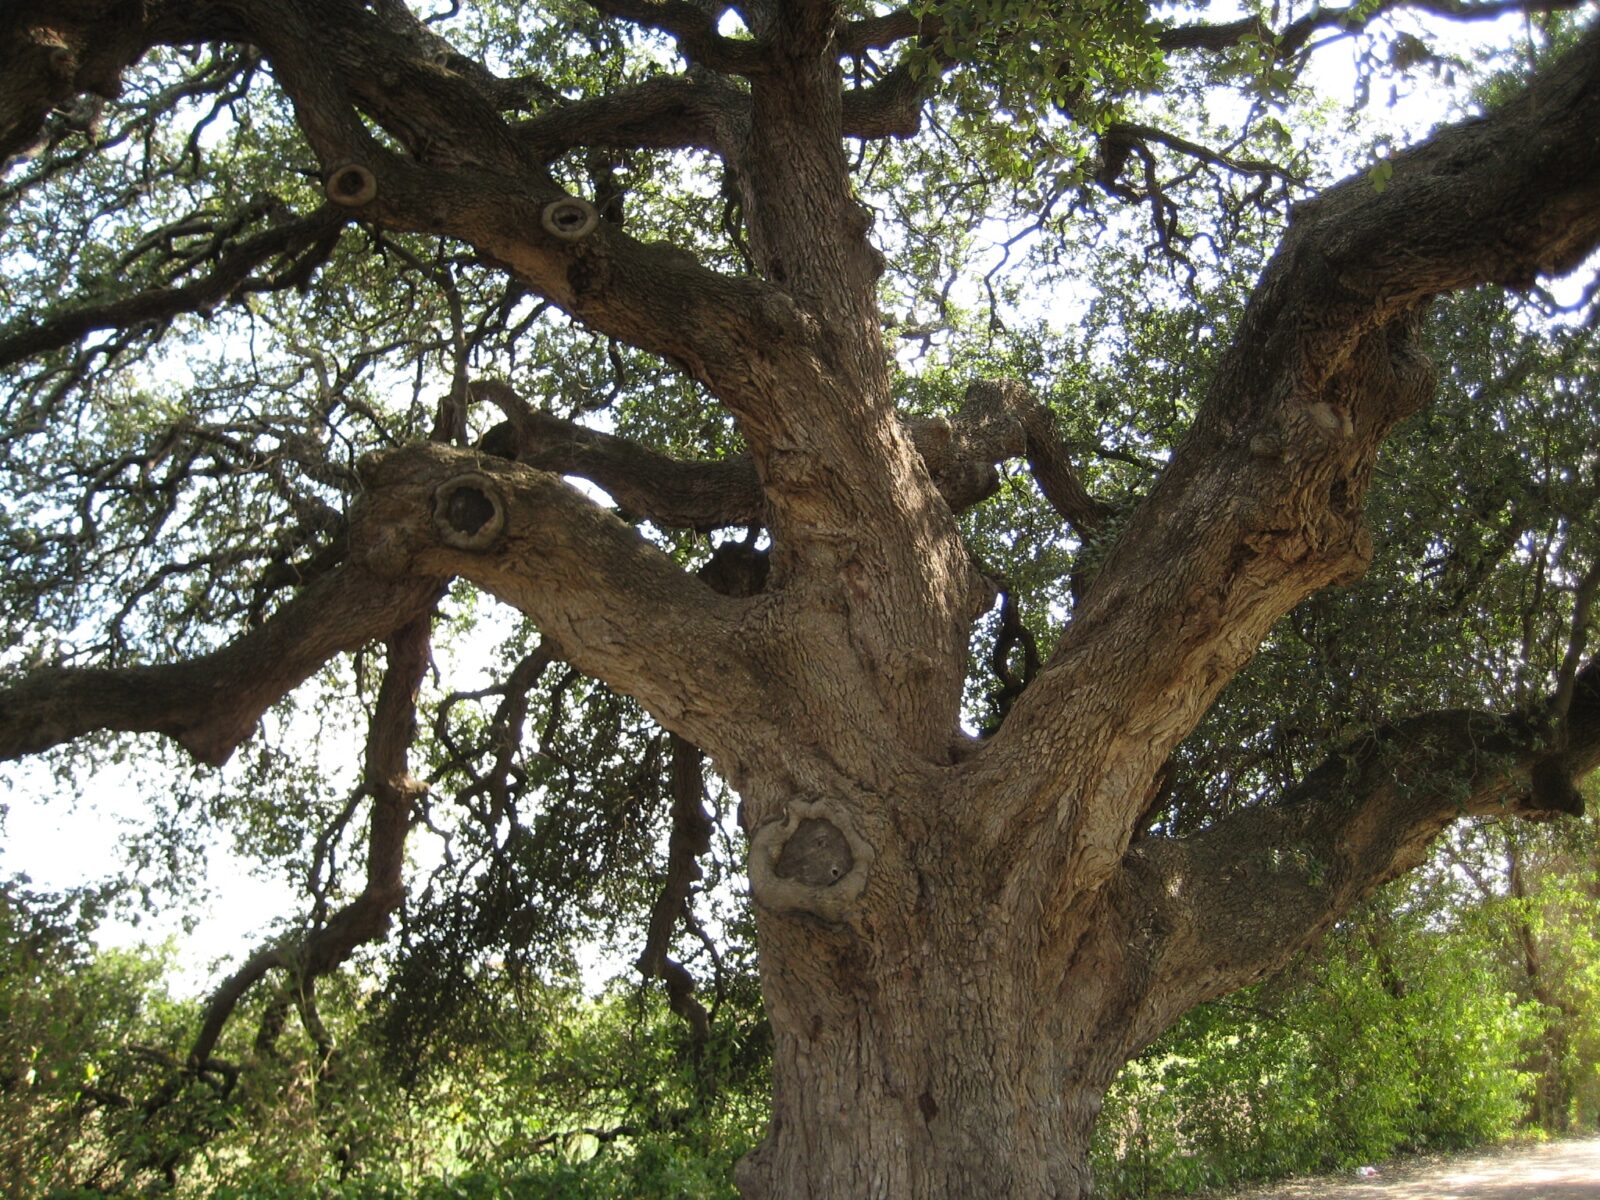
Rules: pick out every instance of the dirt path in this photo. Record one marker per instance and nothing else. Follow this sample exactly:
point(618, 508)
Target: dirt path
point(1566, 1170)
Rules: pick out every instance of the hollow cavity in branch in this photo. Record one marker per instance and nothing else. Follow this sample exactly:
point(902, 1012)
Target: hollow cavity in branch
point(351, 185)
point(813, 862)
point(468, 512)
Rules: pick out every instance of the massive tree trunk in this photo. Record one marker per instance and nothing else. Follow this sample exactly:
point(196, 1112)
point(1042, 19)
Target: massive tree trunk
point(953, 1072)
point(961, 941)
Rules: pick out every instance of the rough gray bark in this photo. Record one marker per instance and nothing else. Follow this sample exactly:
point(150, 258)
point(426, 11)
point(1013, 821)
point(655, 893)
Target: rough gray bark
point(961, 943)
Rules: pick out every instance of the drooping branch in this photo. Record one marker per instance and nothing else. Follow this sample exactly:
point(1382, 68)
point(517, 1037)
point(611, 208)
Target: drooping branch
point(1240, 898)
point(393, 790)
point(1127, 149)
point(210, 704)
point(499, 740)
point(689, 839)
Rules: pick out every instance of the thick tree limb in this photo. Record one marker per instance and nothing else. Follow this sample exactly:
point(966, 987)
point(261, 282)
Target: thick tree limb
point(699, 111)
point(619, 609)
point(677, 493)
point(694, 28)
point(210, 704)
point(1238, 900)
point(882, 31)
point(1262, 502)
point(52, 52)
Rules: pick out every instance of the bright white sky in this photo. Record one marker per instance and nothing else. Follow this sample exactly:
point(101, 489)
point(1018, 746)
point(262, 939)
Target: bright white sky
point(60, 839)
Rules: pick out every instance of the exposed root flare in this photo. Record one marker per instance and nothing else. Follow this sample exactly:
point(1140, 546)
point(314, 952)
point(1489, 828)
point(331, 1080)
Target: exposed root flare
point(813, 861)
point(569, 218)
point(468, 512)
point(351, 185)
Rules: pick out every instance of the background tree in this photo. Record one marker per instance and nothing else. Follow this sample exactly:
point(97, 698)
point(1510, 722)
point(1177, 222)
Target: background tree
point(239, 232)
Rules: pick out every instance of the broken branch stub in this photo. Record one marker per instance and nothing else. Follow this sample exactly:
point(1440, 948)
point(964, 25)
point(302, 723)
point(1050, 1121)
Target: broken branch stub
point(351, 185)
point(569, 218)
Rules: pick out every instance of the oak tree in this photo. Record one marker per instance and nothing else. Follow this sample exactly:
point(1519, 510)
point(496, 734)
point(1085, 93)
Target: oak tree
point(315, 311)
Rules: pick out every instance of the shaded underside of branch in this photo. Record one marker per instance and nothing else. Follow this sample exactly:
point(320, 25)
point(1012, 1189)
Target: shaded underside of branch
point(1239, 899)
point(210, 704)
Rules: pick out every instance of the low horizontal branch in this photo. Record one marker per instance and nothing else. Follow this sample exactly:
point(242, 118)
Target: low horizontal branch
point(210, 704)
point(1240, 898)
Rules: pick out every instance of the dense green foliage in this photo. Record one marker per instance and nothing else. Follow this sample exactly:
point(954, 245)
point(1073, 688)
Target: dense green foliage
point(1418, 1026)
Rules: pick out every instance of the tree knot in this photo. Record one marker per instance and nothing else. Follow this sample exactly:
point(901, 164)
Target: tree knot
point(569, 218)
point(468, 512)
point(351, 185)
point(811, 861)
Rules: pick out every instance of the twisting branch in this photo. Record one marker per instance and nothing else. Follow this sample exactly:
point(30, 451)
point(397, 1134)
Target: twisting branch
point(694, 28)
point(1366, 815)
point(366, 918)
point(736, 569)
point(1009, 419)
point(1011, 635)
point(230, 277)
point(690, 838)
point(674, 493)
point(501, 739)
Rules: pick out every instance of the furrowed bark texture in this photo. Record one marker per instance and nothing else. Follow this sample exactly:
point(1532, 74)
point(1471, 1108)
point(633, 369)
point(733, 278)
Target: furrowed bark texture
point(960, 943)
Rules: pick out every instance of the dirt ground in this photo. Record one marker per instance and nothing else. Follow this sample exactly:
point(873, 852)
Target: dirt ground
point(1565, 1170)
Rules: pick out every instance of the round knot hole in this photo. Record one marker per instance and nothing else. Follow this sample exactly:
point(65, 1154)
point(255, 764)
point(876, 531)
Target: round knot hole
point(817, 854)
point(468, 512)
point(351, 185)
point(569, 218)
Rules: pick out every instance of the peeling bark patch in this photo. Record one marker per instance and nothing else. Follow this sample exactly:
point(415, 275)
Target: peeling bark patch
point(468, 512)
point(816, 854)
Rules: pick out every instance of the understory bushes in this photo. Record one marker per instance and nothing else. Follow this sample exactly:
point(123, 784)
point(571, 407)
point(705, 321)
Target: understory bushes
point(1375, 1049)
point(1414, 1027)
